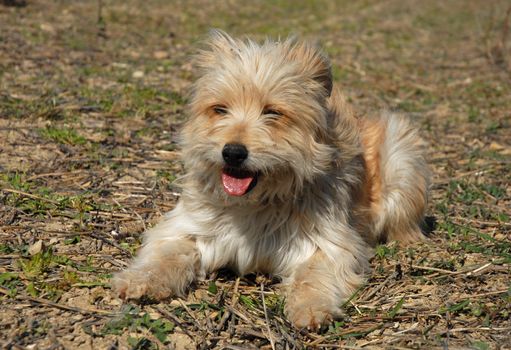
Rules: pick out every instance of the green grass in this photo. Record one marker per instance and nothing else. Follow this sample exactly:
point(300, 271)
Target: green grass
point(36, 200)
point(66, 136)
point(46, 106)
point(132, 320)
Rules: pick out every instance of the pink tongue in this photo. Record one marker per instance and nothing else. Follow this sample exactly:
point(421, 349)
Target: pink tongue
point(234, 186)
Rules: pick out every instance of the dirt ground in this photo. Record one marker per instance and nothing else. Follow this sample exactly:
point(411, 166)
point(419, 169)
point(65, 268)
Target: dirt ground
point(92, 96)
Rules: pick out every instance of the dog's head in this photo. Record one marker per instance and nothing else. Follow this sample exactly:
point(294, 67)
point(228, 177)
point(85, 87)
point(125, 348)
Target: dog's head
point(259, 120)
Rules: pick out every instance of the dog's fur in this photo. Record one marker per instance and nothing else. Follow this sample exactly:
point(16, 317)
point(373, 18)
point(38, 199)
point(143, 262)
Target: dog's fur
point(329, 186)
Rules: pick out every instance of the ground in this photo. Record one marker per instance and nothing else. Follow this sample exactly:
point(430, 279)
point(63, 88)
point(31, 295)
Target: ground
point(92, 96)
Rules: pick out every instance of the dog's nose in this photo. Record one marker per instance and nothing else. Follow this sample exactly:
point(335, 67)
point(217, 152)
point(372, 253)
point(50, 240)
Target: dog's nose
point(234, 154)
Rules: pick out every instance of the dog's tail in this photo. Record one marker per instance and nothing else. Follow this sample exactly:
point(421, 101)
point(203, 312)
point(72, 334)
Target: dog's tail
point(403, 179)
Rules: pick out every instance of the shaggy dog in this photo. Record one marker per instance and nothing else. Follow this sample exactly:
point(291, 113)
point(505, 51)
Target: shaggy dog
point(282, 178)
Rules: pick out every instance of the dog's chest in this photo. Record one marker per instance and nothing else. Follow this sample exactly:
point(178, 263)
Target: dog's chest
point(260, 242)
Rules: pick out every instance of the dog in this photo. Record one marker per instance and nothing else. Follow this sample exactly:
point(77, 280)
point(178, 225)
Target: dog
point(282, 177)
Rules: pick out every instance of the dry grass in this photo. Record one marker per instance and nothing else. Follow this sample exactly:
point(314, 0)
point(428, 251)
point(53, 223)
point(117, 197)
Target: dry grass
point(90, 104)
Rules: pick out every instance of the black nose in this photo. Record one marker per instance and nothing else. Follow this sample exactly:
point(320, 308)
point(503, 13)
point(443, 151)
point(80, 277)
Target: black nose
point(234, 154)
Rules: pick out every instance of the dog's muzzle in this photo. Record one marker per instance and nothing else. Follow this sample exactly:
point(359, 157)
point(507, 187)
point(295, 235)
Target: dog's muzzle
point(236, 180)
point(234, 154)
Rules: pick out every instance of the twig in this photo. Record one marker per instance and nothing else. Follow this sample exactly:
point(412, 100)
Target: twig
point(479, 269)
point(58, 173)
point(114, 244)
point(267, 319)
point(380, 287)
point(365, 330)
point(452, 273)
point(234, 347)
point(252, 332)
point(468, 329)
point(187, 309)
point(489, 293)
point(133, 211)
point(286, 336)
point(100, 20)
point(41, 301)
point(505, 29)
point(174, 319)
point(239, 314)
point(234, 301)
point(29, 195)
point(485, 223)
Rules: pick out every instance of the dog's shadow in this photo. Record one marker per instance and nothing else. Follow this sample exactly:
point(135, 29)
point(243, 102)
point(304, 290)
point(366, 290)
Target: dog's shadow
point(429, 225)
point(224, 275)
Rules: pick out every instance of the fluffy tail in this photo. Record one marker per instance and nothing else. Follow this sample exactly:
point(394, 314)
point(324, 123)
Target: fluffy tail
point(404, 181)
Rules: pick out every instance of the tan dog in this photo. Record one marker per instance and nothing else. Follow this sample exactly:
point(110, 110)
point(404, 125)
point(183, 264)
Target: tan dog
point(282, 178)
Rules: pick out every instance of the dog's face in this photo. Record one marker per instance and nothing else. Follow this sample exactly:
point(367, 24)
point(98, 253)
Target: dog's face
point(258, 120)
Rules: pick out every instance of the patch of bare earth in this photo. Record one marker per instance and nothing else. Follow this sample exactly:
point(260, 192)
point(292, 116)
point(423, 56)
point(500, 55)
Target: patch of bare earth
point(92, 95)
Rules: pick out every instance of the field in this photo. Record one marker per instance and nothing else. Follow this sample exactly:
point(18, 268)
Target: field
point(92, 97)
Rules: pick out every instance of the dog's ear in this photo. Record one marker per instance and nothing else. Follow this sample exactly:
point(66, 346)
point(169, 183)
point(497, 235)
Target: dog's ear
point(313, 62)
point(217, 44)
point(324, 72)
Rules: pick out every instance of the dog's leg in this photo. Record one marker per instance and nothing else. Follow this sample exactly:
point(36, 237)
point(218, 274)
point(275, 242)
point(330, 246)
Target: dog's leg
point(319, 287)
point(168, 261)
point(162, 268)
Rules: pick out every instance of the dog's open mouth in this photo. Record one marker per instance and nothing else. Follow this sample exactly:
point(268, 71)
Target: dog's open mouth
point(238, 182)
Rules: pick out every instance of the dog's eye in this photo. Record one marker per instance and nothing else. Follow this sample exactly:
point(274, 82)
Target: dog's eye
point(220, 109)
point(272, 112)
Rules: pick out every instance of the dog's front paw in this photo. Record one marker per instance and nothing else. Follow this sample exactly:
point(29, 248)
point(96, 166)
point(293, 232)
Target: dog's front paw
point(310, 315)
point(134, 284)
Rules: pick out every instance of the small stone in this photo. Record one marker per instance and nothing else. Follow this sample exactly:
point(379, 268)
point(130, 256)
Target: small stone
point(160, 55)
point(35, 248)
point(45, 27)
point(138, 74)
point(175, 303)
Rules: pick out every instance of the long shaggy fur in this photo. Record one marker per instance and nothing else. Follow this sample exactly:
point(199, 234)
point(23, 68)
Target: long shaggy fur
point(330, 185)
